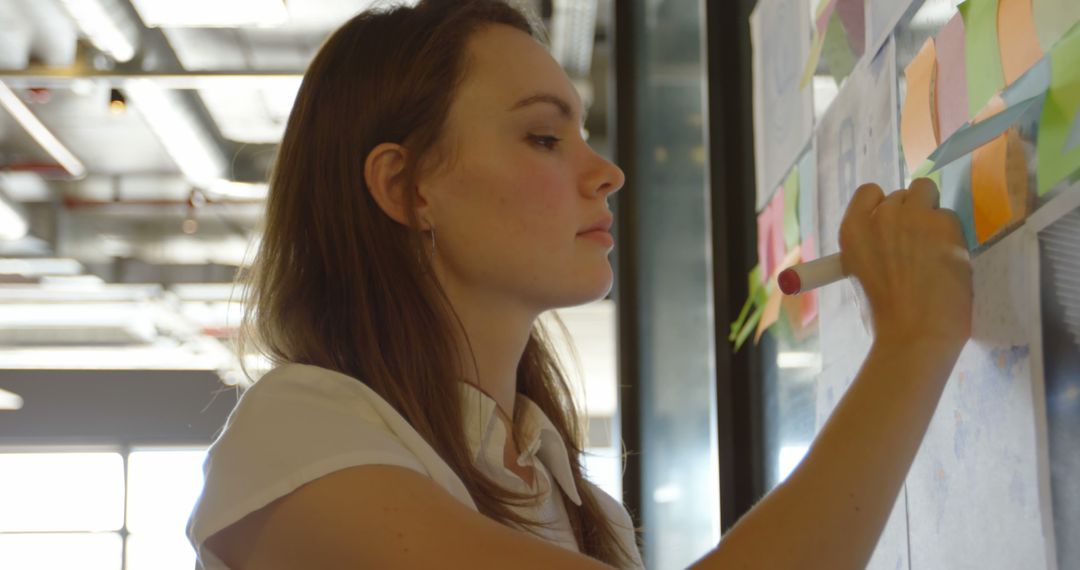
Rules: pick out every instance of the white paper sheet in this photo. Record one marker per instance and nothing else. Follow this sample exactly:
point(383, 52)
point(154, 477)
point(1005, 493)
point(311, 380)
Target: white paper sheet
point(974, 488)
point(783, 113)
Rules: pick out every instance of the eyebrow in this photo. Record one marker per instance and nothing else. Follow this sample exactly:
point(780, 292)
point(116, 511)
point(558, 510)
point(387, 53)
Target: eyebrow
point(564, 108)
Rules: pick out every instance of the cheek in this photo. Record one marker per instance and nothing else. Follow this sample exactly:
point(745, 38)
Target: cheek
point(541, 200)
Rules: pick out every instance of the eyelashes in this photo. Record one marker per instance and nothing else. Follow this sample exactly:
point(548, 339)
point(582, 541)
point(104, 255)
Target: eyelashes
point(546, 141)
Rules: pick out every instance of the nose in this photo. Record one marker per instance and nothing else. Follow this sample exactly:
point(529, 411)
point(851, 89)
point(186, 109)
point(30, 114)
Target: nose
point(606, 177)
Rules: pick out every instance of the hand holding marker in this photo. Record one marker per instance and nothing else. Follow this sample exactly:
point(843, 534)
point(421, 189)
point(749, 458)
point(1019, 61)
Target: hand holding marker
point(810, 275)
point(823, 271)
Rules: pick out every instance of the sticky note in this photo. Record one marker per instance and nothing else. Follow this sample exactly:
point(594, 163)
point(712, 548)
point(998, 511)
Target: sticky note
point(770, 313)
point(1053, 18)
point(1021, 201)
point(791, 209)
point(955, 190)
point(972, 136)
point(989, 188)
point(984, 77)
point(951, 83)
point(918, 128)
point(1016, 38)
point(771, 234)
point(1074, 135)
point(837, 50)
point(1033, 83)
point(852, 15)
point(1056, 160)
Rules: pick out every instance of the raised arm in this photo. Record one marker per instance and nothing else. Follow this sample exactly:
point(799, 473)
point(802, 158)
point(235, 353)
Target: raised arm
point(377, 516)
point(911, 260)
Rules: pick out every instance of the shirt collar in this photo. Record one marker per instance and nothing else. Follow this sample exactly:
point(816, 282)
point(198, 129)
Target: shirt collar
point(486, 436)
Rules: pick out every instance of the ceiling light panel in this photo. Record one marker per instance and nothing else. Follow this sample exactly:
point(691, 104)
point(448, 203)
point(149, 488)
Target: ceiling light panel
point(211, 13)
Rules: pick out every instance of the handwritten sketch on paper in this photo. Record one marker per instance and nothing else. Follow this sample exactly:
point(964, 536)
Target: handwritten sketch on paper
point(783, 113)
point(982, 442)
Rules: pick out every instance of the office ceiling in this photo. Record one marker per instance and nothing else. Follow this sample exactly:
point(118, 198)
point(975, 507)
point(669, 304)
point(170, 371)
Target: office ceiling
point(165, 190)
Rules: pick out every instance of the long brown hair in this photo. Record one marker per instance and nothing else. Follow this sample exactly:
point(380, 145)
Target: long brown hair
point(338, 284)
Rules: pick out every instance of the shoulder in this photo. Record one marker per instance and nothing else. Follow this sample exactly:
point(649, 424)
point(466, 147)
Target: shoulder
point(294, 425)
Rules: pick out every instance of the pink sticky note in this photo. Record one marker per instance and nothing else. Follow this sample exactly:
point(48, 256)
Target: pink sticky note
point(824, 13)
point(951, 85)
point(854, 21)
point(771, 235)
point(764, 248)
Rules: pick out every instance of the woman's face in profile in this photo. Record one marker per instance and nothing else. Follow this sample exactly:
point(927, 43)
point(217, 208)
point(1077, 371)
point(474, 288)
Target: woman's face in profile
point(521, 183)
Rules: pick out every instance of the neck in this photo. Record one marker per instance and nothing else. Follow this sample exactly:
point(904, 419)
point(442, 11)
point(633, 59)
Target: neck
point(497, 333)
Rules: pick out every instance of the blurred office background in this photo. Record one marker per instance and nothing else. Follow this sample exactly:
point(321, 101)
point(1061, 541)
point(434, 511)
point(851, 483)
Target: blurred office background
point(135, 140)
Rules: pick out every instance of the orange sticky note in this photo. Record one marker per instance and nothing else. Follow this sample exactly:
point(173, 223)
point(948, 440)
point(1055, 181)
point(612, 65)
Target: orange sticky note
point(1017, 40)
point(770, 314)
point(990, 189)
point(1021, 200)
point(918, 122)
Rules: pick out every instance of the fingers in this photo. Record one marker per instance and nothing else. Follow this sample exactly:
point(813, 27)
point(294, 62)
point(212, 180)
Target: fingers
point(866, 198)
point(923, 192)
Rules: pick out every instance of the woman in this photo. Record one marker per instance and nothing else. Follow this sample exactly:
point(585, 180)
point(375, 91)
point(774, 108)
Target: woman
point(432, 197)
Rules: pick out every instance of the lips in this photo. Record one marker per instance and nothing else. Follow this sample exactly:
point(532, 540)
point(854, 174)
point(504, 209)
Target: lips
point(603, 224)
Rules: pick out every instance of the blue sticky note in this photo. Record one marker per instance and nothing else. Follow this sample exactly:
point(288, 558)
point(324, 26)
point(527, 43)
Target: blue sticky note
point(971, 136)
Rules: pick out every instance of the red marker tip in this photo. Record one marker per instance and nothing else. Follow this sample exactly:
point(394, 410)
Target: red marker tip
point(789, 282)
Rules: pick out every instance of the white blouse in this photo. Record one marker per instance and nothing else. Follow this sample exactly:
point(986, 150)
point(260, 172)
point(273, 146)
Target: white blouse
point(300, 422)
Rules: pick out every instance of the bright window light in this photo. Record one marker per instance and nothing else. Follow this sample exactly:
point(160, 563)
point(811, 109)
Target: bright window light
point(61, 492)
point(154, 552)
point(85, 551)
point(162, 488)
point(790, 456)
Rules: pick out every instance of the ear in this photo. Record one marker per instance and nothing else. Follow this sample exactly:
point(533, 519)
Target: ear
point(384, 175)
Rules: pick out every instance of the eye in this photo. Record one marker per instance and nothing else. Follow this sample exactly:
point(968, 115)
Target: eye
point(545, 141)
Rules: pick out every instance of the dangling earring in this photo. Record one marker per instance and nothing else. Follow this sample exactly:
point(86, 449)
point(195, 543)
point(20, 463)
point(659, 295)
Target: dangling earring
point(432, 241)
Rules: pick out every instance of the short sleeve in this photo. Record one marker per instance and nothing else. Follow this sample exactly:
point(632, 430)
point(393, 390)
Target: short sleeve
point(288, 429)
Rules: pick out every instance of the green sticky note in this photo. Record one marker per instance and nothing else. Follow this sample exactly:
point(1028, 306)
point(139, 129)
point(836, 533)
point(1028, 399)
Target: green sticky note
point(1053, 18)
point(837, 49)
point(936, 177)
point(984, 75)
point(791, 209)
point(755, 298)
point(923, 169)
point(1057, 154)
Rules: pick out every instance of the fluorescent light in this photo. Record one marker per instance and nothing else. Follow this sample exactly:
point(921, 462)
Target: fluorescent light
point(211, 13)
point(12, 223)
point(107, 26)
point(40, 133)
point(189, 145)
point(238, 190)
